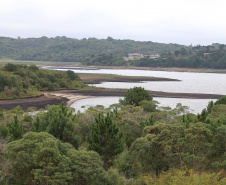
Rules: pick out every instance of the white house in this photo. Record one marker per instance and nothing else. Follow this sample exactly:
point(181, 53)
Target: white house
point(132, 56)
point(154, 56)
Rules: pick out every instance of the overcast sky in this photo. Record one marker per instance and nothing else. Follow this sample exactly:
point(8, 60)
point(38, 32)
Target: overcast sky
point(166, 21)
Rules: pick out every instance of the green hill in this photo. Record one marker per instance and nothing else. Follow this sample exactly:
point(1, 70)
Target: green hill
point(73, 50)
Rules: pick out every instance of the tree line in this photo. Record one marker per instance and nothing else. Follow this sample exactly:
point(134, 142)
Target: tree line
point(133, 142)
point(190, 57)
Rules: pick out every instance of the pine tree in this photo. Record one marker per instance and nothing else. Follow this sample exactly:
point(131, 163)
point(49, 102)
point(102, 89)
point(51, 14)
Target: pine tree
point(58, 121)
point(16, 129)
point(106, 139)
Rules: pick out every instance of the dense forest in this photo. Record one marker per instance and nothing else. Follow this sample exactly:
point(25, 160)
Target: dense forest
point(133, 142)
point(213, 56)
point(110, 52)
point(18, 81)
point(73, 50)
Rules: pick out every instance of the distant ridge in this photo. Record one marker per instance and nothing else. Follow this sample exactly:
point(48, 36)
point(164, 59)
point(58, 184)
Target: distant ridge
point(74, 50)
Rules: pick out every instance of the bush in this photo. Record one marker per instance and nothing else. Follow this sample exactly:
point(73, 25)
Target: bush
point(10, 67)
point(222, 100)
point(51, 87)
point(135, 95)
point(175, 177)
point(148, 106)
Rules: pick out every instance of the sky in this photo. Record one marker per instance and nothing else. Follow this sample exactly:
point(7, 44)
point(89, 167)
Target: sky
point(183, 22)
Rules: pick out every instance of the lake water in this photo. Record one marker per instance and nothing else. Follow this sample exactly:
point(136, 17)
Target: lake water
point(195, 105)
point(206, 83)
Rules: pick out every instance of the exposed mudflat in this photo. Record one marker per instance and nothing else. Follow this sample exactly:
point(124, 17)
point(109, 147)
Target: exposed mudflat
point(70, 96)
point(39, 102)
point(194, 70)
point(100, 78)
point(121, 92)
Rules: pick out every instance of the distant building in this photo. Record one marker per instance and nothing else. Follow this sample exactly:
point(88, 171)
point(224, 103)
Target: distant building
point(126, 58)
point(154, 55)
point(206, 54)
point(132, 56)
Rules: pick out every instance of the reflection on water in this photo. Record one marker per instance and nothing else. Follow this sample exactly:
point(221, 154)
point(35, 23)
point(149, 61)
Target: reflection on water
point(195, 105)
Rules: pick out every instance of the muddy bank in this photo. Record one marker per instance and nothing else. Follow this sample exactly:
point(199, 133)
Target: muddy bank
point(177, 69)
point(70, 96)
point(39, 102)
point(100, 78)
point(70, 65)
point(95, 92)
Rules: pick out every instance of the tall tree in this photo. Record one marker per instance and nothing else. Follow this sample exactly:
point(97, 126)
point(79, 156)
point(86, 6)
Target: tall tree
point(135, 95)
point(40, 158)
point(149, 150)
point(59, 122)
point(106, 139)
point(16, 129)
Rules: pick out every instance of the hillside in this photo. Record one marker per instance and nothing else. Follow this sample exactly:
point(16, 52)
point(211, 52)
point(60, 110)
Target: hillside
point(73, 50)
point(113, 52)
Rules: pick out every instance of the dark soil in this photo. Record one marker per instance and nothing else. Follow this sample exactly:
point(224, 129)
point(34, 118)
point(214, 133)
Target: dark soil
point(122, 92)
point(43, 101)
point(25, 103)
point(91, 79)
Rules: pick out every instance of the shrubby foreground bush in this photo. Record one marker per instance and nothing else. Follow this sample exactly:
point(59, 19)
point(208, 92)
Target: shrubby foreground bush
point(154, 146)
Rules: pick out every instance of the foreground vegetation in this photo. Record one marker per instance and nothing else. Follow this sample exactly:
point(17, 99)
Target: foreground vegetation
point(134, 142)
point(18, 81)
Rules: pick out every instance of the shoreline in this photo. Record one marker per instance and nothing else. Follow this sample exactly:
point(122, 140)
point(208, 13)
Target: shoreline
point(71, 96)
point(94, 93)
point(95, 78)
point(78, 65)
point(170, 69)
point(97, 92)
point(73, 65)
point(38, 102)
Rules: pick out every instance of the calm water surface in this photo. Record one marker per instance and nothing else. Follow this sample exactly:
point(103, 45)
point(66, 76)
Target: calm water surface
point(207, 83)
point(196, 105)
